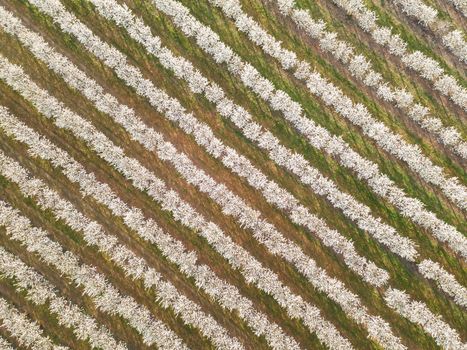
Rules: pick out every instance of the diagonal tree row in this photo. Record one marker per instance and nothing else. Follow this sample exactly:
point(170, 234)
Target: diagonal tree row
point(151, 206)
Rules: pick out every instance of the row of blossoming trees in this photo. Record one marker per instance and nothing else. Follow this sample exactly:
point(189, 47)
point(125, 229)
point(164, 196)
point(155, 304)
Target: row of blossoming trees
point(416, 60)
point(261, 277)
point(363, 71)
point(426, 15)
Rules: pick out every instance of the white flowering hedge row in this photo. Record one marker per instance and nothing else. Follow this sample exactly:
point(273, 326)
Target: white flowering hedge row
point(25, 331)
point(40, 145)
point(40, 292)
point(460, 5)
point(227, 295)
point(230, 203)
point(331, 96)
point(146, 181)
point(317, 136)
point(134, 267)
point(126, 21)
point(154, 141)
point(425, 66)
point(114, 11)
point(92, 90)
point(361, 68)
point(352, 209)
point(4, 344)
point(273, 193)
point(142, 33)
point(453, 39)
point(445, 281)
point(242, 166)
point(104, 295)
point(424, 13)
point(418, 313)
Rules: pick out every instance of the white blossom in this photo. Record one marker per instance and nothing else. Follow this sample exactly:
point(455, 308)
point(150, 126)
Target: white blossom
point(418, 313)
point(271, 244)
point(133, 266)
point(4, 344)
point(227, 295)
point(41, 291)
point(461, 6)
point(94, 284)
point(351, 159)
point(445, 281)
point(428, 17)
point(415, 60)
point(416, 8)
point(229, 202)
point(197, 176)
point(25, 331)
point(454, 40)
